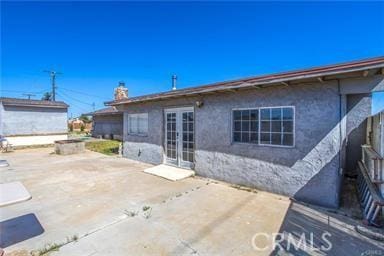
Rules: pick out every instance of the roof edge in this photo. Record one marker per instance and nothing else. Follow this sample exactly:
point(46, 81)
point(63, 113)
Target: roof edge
point(341, 68)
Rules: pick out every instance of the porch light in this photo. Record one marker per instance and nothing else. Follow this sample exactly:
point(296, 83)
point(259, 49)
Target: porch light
point(199, 103)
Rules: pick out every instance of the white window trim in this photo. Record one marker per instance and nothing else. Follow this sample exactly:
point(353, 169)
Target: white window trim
point(259, 127)
point(129, 124)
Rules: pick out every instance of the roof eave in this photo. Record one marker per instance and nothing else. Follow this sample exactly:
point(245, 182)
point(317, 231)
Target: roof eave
point(33, 105)
point(247, 83)
point(106, 114)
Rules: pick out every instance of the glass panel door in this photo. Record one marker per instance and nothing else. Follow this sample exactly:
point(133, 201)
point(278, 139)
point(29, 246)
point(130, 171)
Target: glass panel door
point(179, 136)
point(171, 142)
point(187, 139)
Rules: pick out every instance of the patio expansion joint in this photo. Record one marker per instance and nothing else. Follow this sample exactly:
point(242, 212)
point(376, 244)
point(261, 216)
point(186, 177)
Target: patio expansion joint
point(93, 231)
point(125, 217)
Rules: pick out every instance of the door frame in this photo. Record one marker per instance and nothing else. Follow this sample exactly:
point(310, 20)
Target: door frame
point(179, 162)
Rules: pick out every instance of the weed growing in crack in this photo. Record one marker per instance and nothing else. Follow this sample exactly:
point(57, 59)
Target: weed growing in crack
point(46, 249)
point(244, 188)
point(147, 211)
point(130, 213)
point(73, 238)
point(50, 247)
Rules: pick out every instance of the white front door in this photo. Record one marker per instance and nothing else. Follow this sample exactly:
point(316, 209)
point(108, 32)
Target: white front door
point(179, 136)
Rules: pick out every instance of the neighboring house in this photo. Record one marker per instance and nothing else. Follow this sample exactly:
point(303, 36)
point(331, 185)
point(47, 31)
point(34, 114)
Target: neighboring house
point(294, 133)
point(376, 133)
point(374, 148)
point(370, 174)
point(77, 124)
point(107, 123)
point(32, 122)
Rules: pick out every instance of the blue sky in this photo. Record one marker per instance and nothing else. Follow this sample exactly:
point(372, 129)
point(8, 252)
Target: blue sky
point(97, 44)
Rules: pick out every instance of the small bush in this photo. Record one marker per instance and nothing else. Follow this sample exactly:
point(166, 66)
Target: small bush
point(70, 126)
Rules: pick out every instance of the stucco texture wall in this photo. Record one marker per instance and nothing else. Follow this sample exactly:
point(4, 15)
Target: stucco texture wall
point(33, 121)
point(107, 124)
point(310, 171)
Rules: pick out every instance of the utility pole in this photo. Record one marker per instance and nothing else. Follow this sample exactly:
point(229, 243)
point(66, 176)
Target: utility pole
point(93, 106)
point(53, 74)
point(29, 95)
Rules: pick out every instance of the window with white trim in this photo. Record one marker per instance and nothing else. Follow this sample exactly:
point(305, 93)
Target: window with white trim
point(138, 124)
point(246, 126)
point(264, 126)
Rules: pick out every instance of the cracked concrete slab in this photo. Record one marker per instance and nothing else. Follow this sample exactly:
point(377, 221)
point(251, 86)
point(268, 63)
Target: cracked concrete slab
point(91, 193)
point(114, 208)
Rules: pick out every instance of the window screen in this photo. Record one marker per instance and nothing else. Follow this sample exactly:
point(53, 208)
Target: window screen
point(138, 123)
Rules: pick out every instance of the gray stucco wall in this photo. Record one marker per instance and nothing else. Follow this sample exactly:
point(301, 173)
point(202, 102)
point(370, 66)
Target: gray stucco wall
point(358, 107)
point(107, 124)
point(33, 121)
point(310, 171)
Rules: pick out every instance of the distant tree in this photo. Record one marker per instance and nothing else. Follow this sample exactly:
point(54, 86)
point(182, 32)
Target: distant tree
point(85, 119)
point(70, 126)
point(82, 127)
point(47, 96)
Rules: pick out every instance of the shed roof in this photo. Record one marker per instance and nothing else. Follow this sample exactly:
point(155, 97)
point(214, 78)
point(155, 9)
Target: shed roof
point(32, 103)
point(265, 80)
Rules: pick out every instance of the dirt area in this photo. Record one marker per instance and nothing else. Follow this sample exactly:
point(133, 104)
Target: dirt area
point(93, 204)
point(349, 203)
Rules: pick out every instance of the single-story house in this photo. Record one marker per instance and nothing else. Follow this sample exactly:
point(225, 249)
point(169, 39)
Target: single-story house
point(32, 122)
point(76, 124)
point(294, 133)
point(107, 123)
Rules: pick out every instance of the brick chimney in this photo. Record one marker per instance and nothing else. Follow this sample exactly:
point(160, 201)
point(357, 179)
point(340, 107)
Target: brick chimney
point(121, 92)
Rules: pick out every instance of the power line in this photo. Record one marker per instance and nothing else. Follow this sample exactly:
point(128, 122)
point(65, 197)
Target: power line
point(62, 93)
point(39, 92)
point(29, 95)
point(73, 105)
point(83, 93)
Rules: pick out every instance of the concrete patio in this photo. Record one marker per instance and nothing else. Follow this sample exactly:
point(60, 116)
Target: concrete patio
point(108, 206)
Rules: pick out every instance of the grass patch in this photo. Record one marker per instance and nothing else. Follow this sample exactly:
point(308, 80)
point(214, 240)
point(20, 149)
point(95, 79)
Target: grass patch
point(107, 147)
point(78, 133)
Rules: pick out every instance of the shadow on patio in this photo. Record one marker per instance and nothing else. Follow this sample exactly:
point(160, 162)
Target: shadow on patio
point(19, 229)
point(330, 234)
